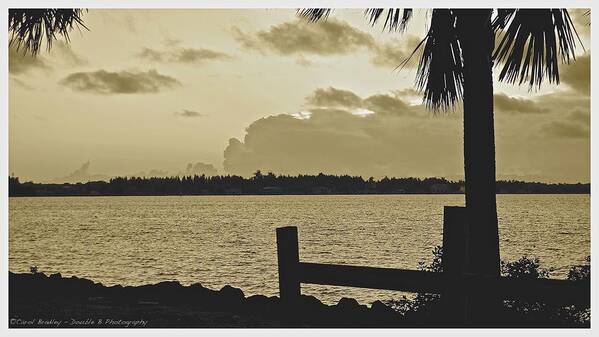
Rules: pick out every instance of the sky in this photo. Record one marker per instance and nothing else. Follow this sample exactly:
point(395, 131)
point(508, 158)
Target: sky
point(172, 92)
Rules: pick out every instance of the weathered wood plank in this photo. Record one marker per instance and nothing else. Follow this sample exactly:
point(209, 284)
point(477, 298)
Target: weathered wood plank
point(550, 290)
point(288, 260)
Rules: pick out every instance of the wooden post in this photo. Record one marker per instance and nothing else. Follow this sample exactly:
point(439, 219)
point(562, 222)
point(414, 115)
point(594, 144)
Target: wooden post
point(288, 259)
point(455, 250)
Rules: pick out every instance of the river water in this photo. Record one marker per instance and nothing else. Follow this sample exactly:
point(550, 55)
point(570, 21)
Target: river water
point(218, 240)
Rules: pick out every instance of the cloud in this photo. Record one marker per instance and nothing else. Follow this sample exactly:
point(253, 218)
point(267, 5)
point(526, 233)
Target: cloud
point(386, 104)
point(340, 142)
point(333, 97)
point(151, 173)
point(326, 38)
point(505, 103)
point(121, 82)
point(21, 83)
point(394, 53)
point(577, 74)
point(20, 62)
point(189, 113)
point(64, 51)
point(82, 174)
point(341, 132)
point(200, 168)
point(581, 117)
point(172, 42)
point(183, 55)
point(562, 129)
point(191, 169)
point(330, 37)
point(151, 54)
point(303, 61)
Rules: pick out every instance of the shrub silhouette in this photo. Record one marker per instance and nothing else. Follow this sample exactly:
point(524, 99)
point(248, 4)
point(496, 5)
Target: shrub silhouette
point(580, 272)
point(424, 307)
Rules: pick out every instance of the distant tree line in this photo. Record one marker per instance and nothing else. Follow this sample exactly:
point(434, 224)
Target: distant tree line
point(275, 184)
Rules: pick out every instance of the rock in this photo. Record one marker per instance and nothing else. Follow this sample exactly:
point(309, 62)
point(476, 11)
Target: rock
point(350, 313)
point(311, 305)
point(346, 303)
point(382, 312)
point(378, 306)
point(230, 296)
point(56, 276)
point(261, 304)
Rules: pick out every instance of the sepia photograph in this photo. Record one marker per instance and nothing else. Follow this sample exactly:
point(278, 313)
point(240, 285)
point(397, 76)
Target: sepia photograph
point(359, 167)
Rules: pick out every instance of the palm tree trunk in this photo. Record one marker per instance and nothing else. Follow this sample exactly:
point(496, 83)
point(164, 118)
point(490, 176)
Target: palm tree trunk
point(477, 41)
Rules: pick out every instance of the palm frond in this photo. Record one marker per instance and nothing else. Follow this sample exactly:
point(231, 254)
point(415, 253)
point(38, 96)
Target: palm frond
point(587, 13)
point(29, 27)
point(502, 18)
point(396, 18)
point(314, 14)
point(440, 71)
point(533, 43)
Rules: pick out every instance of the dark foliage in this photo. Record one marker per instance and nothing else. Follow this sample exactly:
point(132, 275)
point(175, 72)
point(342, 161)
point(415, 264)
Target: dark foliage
point(422, 306)
point(440, 71)
point(532, 42)
point(581, 272)
point(29, 27)
point(274, 184)
point(395, 19)
point(427, 307)
point(524, 268)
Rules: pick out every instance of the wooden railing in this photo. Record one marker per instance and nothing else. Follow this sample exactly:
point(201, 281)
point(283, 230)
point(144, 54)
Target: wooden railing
point(453, 283)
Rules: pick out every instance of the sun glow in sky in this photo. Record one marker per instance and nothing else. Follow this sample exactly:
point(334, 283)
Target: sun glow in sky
point(147, 92)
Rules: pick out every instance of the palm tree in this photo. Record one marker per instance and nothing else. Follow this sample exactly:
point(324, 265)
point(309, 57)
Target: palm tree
point(29, 27)
point(457, 61)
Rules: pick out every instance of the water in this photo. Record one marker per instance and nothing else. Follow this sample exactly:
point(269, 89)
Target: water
point(218, 240)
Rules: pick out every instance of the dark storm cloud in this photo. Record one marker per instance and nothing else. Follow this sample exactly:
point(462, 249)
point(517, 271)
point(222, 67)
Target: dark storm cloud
point(563, 129)
point(189, 113)
point(183, 55)
point(577, 75)
point(121, 82)
point(20, 62)
point(330, 37)
point(503, 102)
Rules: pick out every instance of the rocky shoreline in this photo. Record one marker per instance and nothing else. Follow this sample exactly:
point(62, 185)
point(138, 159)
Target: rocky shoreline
point(38, 300)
